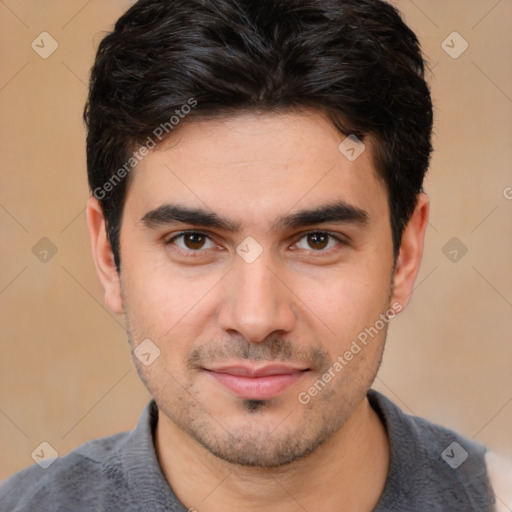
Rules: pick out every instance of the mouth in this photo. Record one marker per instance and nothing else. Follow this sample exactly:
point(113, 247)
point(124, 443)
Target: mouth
point(257, 383)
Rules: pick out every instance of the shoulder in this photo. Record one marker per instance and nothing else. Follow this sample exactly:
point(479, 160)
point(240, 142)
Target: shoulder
point(424, 438)
point(430, 461)
point(60, 485)
point(499, 469)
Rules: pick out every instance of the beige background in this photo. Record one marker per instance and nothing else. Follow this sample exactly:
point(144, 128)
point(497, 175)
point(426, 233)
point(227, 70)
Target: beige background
point(66, 372)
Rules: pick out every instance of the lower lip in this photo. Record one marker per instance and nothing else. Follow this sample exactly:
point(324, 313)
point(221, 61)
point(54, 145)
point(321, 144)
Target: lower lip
point(257, 388)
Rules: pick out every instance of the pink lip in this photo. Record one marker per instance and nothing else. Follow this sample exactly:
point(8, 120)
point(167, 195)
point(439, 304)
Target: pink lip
point(256, 383)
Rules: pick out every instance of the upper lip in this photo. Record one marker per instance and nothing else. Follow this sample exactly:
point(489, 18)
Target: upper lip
point(260, 371)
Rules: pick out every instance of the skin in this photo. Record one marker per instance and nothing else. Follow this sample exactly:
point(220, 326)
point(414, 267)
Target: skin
point(301, 302)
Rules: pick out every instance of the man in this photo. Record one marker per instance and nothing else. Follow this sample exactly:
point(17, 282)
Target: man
point(257, 214)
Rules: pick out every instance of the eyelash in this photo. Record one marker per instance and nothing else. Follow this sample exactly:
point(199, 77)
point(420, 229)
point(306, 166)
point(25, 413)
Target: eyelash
point(201, 252)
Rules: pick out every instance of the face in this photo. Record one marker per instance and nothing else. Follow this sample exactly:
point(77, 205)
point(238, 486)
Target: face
point(254, 255)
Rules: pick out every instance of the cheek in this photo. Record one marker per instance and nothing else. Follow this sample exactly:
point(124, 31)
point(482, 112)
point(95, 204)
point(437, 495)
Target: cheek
point(351, 304)
point(162, 293)
point(350, 299)
point(170, 309)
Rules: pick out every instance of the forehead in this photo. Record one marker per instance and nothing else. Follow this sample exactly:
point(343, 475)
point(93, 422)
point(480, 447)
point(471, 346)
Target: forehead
point(255, 167)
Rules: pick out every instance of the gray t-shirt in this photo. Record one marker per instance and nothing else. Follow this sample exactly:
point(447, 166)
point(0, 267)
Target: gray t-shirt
point(429, 472)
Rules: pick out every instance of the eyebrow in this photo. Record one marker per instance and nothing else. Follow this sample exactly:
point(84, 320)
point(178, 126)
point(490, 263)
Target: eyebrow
point(337, 212)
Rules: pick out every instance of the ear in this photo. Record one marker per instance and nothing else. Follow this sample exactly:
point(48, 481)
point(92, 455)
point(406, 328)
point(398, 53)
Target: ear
point(103, 256)
point(411, 251)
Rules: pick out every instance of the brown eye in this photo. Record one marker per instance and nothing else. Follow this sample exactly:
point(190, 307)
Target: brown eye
point(318, 241)
point(192, 242)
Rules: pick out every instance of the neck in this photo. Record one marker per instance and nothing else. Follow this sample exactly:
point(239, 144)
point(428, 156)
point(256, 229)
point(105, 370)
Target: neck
point(348, 471)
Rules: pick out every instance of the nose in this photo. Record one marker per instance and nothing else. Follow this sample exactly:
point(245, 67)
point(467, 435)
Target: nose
point(256, 302)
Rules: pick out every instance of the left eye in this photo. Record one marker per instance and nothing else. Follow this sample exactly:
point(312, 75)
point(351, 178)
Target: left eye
point(319, 241)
